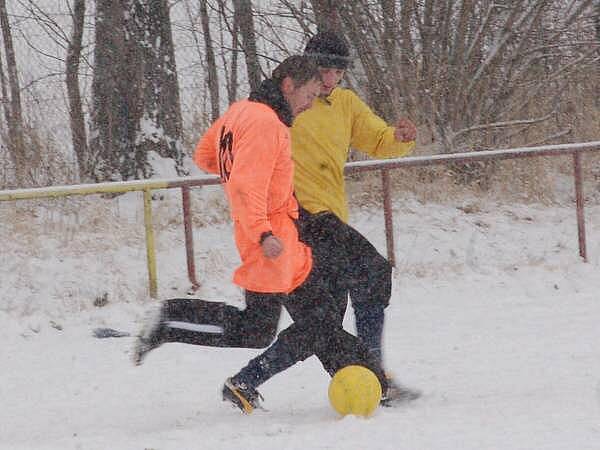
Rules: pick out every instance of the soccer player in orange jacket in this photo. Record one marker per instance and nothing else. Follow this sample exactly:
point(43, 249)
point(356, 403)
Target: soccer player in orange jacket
point(249, 147)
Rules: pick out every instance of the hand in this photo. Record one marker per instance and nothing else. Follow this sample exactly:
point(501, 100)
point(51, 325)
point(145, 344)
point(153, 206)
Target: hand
point(272, 247)
point(405, 131)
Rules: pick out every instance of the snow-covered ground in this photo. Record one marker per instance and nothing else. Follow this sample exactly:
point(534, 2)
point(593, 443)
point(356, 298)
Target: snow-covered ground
point(494, 316)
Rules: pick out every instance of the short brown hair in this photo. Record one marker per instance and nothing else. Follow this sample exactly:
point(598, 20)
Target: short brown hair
point(299, 68)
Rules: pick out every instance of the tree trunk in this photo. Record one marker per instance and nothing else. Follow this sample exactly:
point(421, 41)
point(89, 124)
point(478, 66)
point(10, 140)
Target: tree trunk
point(13, 112)
point(597, 19)
point(597, 26)
point(211, 66)
point(6, 110)
point(116, 92)
point(408, 64)
point(243, 11)
point(232, 80)
point(378, 80)
point(394, 80)
point(161, 108)
point(77, 121)
point(135, 90)
point(326, 15)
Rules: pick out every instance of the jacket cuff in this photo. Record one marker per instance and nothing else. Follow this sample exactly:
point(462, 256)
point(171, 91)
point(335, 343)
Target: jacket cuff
point(265, 235)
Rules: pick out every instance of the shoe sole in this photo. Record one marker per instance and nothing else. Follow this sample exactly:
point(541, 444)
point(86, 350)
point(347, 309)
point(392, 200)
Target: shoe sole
point(232, 395)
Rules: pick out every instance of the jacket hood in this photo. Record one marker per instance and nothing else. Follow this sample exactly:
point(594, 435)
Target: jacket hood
point(270, 94)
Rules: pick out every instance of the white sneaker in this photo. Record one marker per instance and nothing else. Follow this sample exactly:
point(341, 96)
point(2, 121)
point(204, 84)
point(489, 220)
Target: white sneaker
point(150, 336)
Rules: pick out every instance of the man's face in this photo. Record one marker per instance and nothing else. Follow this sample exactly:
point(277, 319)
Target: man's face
point(301, 97)
point(331, 78)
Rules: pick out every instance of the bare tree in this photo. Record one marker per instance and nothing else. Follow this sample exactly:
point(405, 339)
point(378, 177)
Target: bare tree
point(476, 73)
point(596, 16)
point(160, 103)
point(380, 77)
point(76, 115)
point(211, 66)
point(597, 19)
point(245, 20)
point(326, 14)
point(19, 154)
point(116, 94)
point(234, 29)
point(57, 37)
point(135, 106)
point(5, 135)
point(460, 66)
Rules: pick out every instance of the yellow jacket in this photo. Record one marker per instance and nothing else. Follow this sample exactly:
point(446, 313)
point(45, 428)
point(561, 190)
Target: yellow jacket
point(321, 139)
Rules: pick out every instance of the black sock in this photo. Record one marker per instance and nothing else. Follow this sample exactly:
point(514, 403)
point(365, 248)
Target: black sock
point(369, 326)
point(275, 359)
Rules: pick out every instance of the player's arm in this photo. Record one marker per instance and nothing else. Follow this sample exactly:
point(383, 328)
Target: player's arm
point(206, 155)
point(248, 185)
point(372, 135)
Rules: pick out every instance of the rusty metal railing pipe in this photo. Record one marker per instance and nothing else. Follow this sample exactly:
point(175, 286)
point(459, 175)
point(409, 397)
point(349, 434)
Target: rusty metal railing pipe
point(484, 155)
point(388, 217)
point(189, 237)
point(579, 200)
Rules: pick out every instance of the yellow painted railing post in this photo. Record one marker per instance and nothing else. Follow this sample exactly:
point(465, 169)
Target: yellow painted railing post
point(150, 249)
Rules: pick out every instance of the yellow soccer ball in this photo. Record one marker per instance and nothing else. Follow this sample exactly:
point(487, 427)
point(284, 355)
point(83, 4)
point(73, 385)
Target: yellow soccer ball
point(354, 390)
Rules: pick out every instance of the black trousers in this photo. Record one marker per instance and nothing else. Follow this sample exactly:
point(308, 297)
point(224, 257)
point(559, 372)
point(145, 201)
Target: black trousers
point(316, 330)
point(347, 263)
point(216, 324)
point(352, 264)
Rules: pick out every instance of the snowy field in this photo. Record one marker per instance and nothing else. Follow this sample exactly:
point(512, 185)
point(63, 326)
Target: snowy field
point(493, 316)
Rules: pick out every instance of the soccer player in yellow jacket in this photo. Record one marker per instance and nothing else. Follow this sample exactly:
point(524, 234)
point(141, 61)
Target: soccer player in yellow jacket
point(321, 139)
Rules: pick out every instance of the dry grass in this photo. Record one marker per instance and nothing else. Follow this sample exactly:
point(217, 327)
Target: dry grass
point(540, 179)
point(95, 222)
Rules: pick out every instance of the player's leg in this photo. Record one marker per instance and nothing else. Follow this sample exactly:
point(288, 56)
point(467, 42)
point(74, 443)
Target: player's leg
point(213, 324)
point(358, 269)
point(317, 329)
point(352, 265)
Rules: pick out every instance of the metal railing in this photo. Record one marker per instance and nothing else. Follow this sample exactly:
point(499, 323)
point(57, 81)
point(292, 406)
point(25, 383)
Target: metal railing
point(146, 186)
point(575, 149)
point(185, 183)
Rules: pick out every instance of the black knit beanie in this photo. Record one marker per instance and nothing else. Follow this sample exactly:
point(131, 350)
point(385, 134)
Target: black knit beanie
point(329, 50)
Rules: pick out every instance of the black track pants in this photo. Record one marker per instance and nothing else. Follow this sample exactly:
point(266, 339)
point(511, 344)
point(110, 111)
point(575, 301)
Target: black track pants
point(316, 330)
point(346, 261)
point(352, 264)
point(216, 324)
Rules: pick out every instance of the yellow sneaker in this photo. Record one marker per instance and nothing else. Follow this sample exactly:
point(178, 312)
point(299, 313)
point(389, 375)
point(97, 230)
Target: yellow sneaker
point(244, 397)
point(397, 393)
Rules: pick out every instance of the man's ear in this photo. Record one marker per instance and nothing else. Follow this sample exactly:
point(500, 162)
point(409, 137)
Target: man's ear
point(287, 86)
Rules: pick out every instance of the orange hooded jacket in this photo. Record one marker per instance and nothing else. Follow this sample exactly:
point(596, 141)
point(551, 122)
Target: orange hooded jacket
point(249, 147)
